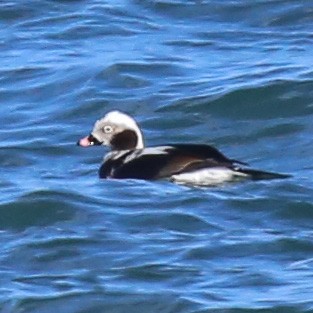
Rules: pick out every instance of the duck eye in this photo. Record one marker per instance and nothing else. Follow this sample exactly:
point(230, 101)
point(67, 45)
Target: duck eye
point(107, 129)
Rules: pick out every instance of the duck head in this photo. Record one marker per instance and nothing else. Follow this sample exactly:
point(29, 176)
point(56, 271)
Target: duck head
point(116, 130)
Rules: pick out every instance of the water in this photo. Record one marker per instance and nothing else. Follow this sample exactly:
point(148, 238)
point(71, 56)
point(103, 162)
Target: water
point(235, 74)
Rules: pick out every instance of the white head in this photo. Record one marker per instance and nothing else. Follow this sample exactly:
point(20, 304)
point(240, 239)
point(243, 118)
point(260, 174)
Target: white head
point(117, 130)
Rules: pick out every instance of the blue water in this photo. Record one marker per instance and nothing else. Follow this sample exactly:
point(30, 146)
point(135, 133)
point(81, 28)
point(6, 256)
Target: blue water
point(235, 74)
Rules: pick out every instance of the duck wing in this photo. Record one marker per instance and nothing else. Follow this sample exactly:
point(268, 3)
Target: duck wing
point(205, 152)
point(191, 157)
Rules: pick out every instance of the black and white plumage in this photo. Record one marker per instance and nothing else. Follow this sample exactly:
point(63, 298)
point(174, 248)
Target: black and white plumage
point(194, 164)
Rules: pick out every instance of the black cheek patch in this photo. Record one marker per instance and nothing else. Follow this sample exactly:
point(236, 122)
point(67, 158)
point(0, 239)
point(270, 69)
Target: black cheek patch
point(125, 140)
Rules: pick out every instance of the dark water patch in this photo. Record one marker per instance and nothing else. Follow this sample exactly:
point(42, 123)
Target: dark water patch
point(52, 91)
point(261, 14)
point(87, 21)
point(79, 116)
point(11, 11)
point(262, 308)
point(48, 23)
point(66, 241)
point(37, 208)
point(292, 191)
point(297, 210)
point(143, 68)
point(27, 84)
point(76, 32)
point(273, 101)
point(125, 75)
point(18, 75)
point(304, 264)
point(297, 15)
point(285, 250)
point(199, 9)
point(175, 9)
point(157, 272)
point(180, 223)
point(281, 130)
point(269, 205)
point(243, 278)
point(63, 283)
point(266, 13)
point(97, 301)
point(13, 157)
point(190, 43)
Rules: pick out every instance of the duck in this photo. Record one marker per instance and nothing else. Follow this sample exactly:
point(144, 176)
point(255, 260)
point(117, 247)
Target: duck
point(182, 163)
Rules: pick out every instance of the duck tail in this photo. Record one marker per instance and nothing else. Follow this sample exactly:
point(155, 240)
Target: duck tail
point(259, 175)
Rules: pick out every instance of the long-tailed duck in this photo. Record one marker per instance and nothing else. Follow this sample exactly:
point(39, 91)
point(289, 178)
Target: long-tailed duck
point(195, 164)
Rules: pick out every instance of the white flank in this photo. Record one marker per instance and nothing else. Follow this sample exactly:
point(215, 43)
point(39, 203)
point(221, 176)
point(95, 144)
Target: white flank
point(208, 176)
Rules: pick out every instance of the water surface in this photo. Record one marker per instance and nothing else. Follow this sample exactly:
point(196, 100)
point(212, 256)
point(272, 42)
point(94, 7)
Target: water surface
point(234, 74)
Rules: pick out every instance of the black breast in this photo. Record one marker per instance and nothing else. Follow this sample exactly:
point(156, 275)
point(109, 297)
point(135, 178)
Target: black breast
point(133, 165)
